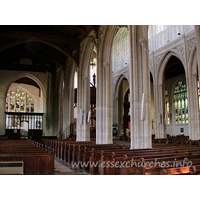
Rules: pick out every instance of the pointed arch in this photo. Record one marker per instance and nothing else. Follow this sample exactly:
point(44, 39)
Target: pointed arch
point(28, 75)
point(163, 63)
point(192, 63)
point(118, 83)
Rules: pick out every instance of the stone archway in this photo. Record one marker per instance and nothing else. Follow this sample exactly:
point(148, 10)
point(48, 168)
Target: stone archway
point(164, 84)
point(27, 87)
point(120, 116)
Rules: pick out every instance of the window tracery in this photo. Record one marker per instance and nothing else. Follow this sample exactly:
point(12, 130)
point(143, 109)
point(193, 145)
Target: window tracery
point(181, 103)
point(19, 101)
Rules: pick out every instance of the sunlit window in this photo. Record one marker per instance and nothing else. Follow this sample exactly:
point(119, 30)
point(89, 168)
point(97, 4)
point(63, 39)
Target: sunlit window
point(167, 113)
point(93, 69)
point(181, 103)
point(19, 101)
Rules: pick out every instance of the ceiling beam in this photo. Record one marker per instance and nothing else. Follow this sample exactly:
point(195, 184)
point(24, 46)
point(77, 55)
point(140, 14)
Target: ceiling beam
point(18, 54)
point(39, 36)
point(33, 68)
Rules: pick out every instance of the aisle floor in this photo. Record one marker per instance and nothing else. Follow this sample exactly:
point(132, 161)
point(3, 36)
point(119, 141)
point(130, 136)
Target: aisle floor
point(63, 168)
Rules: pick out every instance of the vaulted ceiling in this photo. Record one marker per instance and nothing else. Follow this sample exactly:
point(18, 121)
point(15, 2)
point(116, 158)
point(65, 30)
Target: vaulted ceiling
point(46, 46)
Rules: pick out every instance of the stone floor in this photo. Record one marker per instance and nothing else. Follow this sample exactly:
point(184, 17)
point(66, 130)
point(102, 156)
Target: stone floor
point(63, 168)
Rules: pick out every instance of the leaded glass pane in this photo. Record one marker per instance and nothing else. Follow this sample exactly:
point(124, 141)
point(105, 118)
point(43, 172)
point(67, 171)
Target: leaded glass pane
point(167, 108)
point(19, 101)
point(181, 103)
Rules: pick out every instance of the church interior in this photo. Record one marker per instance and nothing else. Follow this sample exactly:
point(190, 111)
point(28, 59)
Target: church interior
point(99, 100)
point(102, 99)
point(99, 93)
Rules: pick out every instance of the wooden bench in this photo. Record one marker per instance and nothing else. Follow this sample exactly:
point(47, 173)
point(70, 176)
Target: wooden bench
point(112, 157)
point(36, 161)
point(72, 151)
point(195, 170)
point(167, 161)
point(176, 171)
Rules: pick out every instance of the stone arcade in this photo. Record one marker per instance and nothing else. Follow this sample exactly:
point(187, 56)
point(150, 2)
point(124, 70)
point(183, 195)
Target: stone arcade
point(81, 81)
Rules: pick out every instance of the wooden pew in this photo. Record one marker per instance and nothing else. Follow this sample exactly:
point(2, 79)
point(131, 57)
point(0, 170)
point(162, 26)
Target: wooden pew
point(195, 170)
point(147, 170)
point(73, 151)
point(36, 161)
point(118, 156)
point(176, 171)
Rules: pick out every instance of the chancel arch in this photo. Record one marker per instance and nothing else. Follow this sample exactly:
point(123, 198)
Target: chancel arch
point(24, 108)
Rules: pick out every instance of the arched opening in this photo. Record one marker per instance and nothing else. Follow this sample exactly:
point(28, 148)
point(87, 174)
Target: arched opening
point(175, 98)
point(152, 107)
point(121, 127)
point(75, 102)
point(120, 70)
point(24, 109)
point(92, 112)
point(126, 115)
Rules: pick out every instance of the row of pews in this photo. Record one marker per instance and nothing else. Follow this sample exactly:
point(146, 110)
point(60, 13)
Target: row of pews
point(36, 161)
point(177, 140)
point(112, 159)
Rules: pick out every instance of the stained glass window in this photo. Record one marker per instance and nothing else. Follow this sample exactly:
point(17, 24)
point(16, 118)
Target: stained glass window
point(180, 103)
point(19, 101)
point(63, 84)
point(167, 113)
